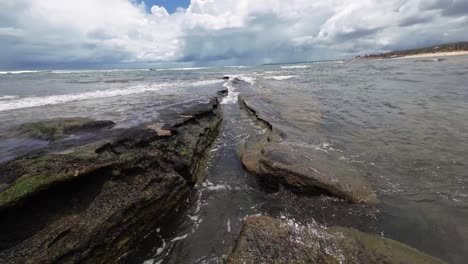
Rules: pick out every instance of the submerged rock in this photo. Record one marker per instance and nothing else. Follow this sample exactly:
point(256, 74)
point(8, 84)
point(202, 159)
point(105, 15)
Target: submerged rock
point(56, 128)
point(308, 171)
point(93, 203)
point(277, 161)
point(267, 240)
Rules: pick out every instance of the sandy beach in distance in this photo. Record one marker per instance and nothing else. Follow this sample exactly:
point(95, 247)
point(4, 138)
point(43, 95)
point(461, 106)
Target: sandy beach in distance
point(438, 54)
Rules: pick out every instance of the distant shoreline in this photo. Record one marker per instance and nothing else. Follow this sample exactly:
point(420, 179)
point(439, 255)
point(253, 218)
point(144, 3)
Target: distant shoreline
point(415, 56)
point(436, 54)
point(449, 49)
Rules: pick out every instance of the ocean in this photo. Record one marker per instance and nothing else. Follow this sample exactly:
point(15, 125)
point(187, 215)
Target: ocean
point(402, 123)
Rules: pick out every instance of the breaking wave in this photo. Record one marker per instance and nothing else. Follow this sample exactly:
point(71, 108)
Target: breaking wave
point(296, 67)
point(17, 72)
point(281, 78)
point(64, 98)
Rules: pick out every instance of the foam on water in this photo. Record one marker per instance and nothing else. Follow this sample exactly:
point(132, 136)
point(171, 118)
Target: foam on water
point(103, 71)
point(296, 67)
point(98, 71)
point(183, 69)
point(7, 97)
point(232, 96)
point(64, 98)
point(17, 72)
point(281, 78)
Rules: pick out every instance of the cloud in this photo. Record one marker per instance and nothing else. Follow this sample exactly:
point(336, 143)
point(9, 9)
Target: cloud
point(89, 33)
point(159, 11)
point(447, 7)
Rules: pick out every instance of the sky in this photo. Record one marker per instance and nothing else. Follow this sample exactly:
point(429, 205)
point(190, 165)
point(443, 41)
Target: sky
point(95, 33)
point(170, 5)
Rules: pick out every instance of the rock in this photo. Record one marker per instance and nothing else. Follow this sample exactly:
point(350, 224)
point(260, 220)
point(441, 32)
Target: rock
point(158, 127)
point(277, 161)
point(56, 128)
point(309, 171)
point(225, 77)
point(93, 203)
point(267, 240)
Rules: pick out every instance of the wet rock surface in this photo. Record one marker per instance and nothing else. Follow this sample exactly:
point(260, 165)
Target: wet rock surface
point(275, 160)
point(267, 240)
point(308, 172)
point(92, 203)
point(57, 128)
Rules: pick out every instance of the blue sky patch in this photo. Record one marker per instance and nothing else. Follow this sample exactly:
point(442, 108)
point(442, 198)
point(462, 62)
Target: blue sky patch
point(170, 5)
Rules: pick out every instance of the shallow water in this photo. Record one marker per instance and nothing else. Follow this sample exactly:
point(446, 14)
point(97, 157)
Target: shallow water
point(402, 123)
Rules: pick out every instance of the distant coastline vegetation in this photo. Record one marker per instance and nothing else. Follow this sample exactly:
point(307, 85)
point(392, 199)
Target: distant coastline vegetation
point(450, 47)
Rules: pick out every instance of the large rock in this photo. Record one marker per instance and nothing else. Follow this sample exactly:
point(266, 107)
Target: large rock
point(54, 129)
point(309, 171)
point(92, 203)
point(267, 240)
point(276, 160)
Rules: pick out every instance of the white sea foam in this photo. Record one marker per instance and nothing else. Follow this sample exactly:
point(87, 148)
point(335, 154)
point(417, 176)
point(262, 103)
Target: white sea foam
point(281, 78)
point(100, 71)
point(232, 96)
point(220, 187)
point(17, 72)
point(228, 226)
point(247, 78)
point(205, 82)
point(7, 97)
point(149, 261)
point(296, 67)
point(60, 99)
point(183, 69)
point(179, 238)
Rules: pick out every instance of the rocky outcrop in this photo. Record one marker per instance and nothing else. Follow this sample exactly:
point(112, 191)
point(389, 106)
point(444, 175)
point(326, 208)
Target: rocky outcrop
point(307, 171)
point(54, 129)
point(276, 161)
point(92, 203)
point(267, 240)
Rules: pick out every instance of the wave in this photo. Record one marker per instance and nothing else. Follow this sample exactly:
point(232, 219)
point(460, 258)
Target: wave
point(17, 72)
point(102, 71)
point(71, 71)
point(246, 78)
point(236, 67)
point(7, 97)
point(91, 71)
point(281, 78)
point(65, 98)
point(181, 69)
point(296, 67)
point(232, 96)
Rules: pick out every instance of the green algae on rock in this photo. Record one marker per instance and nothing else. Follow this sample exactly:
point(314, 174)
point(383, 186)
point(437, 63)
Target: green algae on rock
point(54, 129)
point(93, 203)
point(267, 240)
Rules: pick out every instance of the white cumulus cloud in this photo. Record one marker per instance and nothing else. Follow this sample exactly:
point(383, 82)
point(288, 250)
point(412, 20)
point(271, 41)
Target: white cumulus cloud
point(88, 33)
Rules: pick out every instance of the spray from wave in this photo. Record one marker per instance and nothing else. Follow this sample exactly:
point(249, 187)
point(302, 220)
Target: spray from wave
point(233, 95)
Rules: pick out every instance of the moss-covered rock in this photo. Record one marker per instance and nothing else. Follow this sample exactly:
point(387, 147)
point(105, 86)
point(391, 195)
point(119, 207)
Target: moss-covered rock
point(267, 240)
point(54, 129)
point(92, 203)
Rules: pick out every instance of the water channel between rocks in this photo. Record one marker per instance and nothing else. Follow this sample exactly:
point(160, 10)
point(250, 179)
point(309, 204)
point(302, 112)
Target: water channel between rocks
point(207, 229)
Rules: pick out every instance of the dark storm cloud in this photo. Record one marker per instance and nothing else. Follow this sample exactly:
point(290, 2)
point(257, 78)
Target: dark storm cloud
point(88, 32)
point(447, 7)
point(411, 21)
